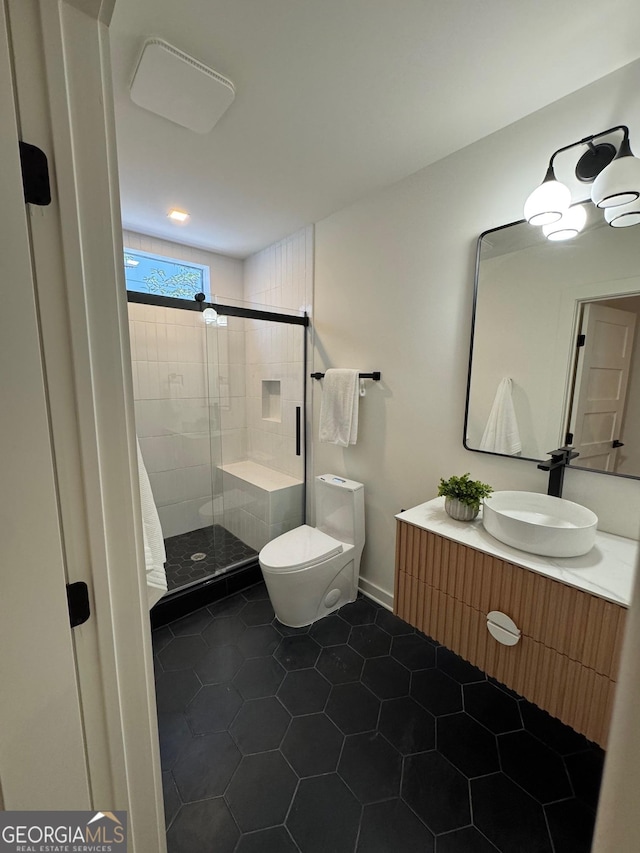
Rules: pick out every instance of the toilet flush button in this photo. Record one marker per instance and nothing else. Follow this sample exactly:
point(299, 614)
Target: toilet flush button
point(502, 628)
point(331, 598)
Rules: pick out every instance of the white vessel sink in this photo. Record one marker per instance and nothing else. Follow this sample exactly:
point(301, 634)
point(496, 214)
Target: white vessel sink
point(540, 524)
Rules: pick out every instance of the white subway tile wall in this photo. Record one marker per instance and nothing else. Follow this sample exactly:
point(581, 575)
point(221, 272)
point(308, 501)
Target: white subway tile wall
point(199, 392)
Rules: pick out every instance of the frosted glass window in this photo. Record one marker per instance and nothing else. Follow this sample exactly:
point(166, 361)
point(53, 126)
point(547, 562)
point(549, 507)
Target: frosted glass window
point(160, 276)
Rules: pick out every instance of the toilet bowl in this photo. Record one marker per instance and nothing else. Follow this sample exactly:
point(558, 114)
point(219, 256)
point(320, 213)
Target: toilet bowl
point(312, 571)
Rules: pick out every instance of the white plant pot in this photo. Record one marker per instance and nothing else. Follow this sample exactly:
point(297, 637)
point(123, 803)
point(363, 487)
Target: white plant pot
point(459, 511)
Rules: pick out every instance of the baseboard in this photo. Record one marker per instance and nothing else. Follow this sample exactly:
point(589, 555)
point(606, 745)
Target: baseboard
point(376, 593)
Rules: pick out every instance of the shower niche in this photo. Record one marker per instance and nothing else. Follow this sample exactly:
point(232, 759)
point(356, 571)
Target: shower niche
point(219, 409)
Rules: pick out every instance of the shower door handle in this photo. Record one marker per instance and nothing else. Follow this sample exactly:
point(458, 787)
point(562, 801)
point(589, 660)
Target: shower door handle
point(298, 431)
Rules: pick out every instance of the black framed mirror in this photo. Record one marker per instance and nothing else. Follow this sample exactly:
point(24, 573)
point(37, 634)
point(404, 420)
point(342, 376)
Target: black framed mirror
point(555, 346)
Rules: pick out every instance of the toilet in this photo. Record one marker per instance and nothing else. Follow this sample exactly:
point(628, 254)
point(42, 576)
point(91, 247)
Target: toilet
point(312, 571)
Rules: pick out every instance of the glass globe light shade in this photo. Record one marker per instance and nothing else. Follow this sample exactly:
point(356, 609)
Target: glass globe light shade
point(547, 203)
point(210, 316)
point(623, 215)
point(569, 225)
point(618, 183)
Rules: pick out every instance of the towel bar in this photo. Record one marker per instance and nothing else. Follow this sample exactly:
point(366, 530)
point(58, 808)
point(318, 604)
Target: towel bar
point(376, 375)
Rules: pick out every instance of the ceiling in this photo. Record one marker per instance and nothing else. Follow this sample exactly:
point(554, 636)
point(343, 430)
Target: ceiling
point(337, 98)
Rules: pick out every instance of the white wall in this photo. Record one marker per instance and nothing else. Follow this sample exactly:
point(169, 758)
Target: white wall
point(281, 277)
point(393, 292)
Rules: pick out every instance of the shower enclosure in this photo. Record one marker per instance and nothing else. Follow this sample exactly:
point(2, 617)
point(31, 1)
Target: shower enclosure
point(219, 395)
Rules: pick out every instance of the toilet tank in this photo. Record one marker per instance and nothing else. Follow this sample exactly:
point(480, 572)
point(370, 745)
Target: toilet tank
point(340, 508)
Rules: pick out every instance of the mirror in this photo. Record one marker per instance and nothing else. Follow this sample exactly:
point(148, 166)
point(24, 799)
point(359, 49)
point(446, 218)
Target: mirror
point(534, 383)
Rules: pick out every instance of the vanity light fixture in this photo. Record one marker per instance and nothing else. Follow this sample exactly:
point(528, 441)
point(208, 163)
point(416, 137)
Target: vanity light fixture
point(616, 187)
point(623, 215)
point(569, 225)
point(178, 215)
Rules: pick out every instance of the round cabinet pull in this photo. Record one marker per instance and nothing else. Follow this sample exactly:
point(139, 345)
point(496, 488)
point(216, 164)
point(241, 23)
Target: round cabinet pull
point(502, 628)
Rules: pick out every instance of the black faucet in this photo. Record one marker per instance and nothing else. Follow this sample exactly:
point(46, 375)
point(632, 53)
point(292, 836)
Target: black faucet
point(560, 458)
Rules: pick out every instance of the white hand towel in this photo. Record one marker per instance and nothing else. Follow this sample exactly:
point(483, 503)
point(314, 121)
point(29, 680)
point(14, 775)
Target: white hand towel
point(339, 407)
point(501, 434)
point(154, 553)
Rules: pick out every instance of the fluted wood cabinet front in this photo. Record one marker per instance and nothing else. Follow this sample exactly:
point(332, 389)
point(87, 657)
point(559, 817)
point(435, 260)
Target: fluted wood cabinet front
point(567, 659)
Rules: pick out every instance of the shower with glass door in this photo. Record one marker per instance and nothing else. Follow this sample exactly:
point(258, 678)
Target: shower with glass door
point(219, 394)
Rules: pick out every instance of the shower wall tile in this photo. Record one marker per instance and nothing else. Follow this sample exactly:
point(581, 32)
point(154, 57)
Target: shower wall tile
point(168, 487)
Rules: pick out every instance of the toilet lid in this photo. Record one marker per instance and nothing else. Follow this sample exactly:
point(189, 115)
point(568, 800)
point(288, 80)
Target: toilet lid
point(304, 546)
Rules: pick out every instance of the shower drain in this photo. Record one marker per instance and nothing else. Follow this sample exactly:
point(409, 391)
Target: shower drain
point(199, 556)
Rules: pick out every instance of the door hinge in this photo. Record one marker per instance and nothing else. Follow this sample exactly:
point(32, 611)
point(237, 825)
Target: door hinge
point(568, 439)
point(78, 601)
point(581, 340)
point(35, 174)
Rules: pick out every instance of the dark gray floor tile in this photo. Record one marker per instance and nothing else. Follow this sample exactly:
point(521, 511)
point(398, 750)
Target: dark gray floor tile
point(454, 666)
point(174, 734)
point(312, 745)
point(172, 801)
point(571, 825)
point(370, 641)
point(224, 631)
point(174, 690)
point(340, 664)
point(194, 623)
point(492, 707)
point(260, 792)
point(304, 691)
point(467, 840)
point(259, 641)
point(392, 827)
point(257, 592)
point(360, 612)
point(393, 625)
point(353, 708)
point(258, 612)
point(585, 771)
point(436, 692)
point(213, 709)
point(407, 725)
point(160, 638)
point(324, 816)
point(258, 678)
point(371, 767)
point(536, 768)
point(507, 816)
point(182, 653)
point(386, 678)
point(550, 730)
point(297, 652)
point(205, 766)
point(467, 745)
point(436, 791)
point(413, 651)
point(330, 631)
point(288, 631)
point(219, 664)
point(198, 823)
point(276, 840)
point(230, 606)
point(260, 725)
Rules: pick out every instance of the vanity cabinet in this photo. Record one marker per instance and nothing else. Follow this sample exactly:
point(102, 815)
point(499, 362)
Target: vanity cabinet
point(567, 658)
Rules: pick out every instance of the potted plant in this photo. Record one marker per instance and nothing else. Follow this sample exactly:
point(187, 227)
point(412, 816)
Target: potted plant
point(463, 496)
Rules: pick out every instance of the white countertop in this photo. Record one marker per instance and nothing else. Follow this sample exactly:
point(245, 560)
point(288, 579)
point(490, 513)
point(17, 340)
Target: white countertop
point(606, 571)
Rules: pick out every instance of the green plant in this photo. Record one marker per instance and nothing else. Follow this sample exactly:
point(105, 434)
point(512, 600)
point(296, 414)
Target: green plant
point(469, 492)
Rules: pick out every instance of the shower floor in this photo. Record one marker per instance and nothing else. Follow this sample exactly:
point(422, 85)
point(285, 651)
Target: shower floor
point(221, 549)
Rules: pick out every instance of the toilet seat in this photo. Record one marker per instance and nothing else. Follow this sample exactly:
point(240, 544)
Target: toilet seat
point(298, 549)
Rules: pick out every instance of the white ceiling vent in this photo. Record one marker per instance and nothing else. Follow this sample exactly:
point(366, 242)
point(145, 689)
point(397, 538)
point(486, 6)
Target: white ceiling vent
point(179, 88)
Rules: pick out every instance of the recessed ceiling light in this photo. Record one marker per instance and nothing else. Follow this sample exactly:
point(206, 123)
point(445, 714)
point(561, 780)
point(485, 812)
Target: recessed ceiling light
point(178, 215)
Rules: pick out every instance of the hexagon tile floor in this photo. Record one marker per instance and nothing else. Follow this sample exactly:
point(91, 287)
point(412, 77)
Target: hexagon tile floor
point(215, 547)
point(358, 735)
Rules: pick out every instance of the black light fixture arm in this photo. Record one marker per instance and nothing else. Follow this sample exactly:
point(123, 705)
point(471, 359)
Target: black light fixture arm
point(589, 139)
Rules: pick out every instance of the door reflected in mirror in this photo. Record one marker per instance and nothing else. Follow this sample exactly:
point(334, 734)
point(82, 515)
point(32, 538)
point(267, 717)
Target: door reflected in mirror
point(534, 382)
